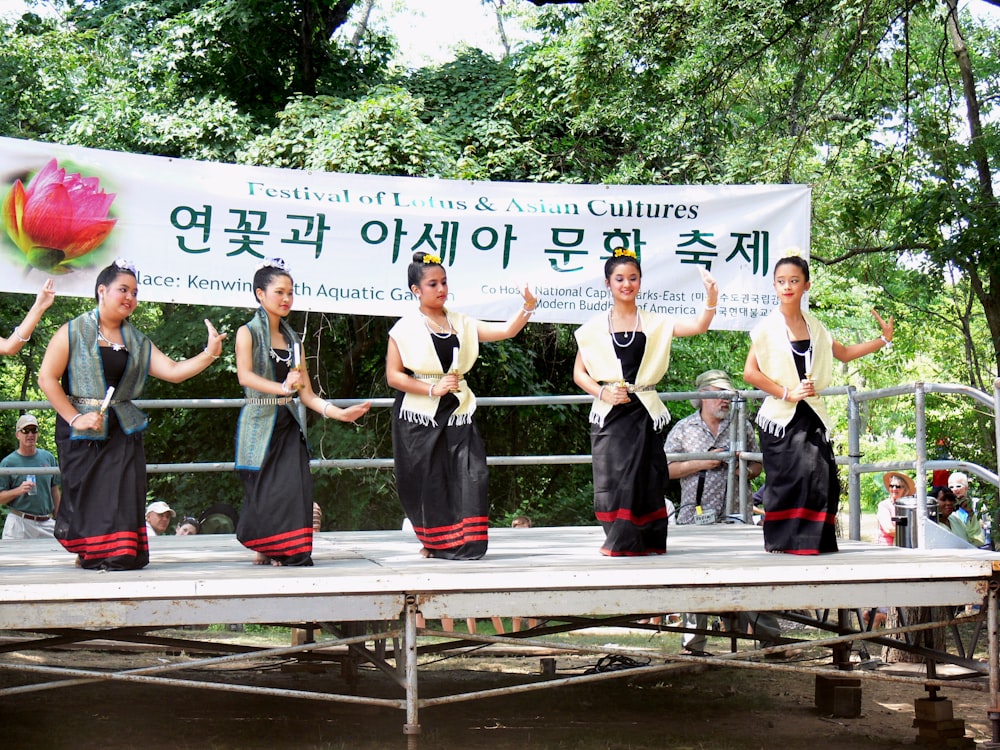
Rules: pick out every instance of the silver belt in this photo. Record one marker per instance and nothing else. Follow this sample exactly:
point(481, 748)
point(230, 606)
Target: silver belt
point(81, 401)
point(272, 401)
point(430, 377)
point(631, 388)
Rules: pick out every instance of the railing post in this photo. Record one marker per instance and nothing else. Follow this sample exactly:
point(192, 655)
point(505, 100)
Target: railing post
point(746, 503)
point(920, 401)
point(853, 459)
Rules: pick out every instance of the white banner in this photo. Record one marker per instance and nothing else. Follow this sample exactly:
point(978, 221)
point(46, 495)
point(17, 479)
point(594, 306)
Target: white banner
point(196, 231)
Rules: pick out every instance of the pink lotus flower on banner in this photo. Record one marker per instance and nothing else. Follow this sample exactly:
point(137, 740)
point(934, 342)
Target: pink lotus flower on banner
point(58, 218)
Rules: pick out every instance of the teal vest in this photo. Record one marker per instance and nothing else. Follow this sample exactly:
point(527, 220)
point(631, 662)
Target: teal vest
point(86, 374)
point(256, 422)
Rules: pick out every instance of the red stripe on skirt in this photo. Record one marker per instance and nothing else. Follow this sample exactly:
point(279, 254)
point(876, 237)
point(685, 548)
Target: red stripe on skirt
point(624, 514)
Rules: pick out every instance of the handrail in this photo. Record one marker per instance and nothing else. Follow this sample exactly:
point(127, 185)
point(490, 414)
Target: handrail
point(737, 457)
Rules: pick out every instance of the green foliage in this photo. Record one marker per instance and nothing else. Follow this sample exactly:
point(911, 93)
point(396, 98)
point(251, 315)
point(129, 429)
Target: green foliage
point(381, 133)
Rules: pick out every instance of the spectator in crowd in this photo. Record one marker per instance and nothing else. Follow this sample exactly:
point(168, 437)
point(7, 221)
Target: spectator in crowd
point(971, 509)
point(31, 498)
point(158, 517)
point(968, 529)
point(704, 482)
point(188, 527)
point(898, 485)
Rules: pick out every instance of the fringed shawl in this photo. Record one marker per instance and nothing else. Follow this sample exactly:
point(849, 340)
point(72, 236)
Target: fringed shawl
point(256, 422)
point(419, 357)
point(603, 365)
point(86, 374)
point(776, 361)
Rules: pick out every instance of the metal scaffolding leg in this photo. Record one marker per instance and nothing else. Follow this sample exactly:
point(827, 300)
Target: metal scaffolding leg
point(994, 656)
point(412, 727)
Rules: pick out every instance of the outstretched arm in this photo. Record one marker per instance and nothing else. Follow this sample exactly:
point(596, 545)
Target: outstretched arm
point(847, 353)
point(22, 331)
point(700, 324)
point(513, 326)
point(173, 371)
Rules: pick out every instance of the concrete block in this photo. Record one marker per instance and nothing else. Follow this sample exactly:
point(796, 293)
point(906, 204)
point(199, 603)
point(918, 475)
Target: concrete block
point(933, 709)
point(838, 696)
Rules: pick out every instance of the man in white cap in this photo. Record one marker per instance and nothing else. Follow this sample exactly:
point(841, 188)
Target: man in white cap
point(158, 516)
point(31, 498)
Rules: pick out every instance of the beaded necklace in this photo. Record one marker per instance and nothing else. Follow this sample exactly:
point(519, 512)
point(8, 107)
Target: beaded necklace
point(807, 355)
point(442, 334)
point(629, 337)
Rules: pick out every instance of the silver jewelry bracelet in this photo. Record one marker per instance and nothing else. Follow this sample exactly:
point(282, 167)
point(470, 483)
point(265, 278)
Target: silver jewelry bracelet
point(19, 337)
point(784, 396)
point(75, 417)
point(710, 307)
point(213, 356)
point(600, 393)
point(324, 410)
point(526, 311)
point(430, 392)
point(888, 343)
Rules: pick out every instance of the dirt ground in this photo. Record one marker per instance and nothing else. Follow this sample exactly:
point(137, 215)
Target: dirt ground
point(697, 709)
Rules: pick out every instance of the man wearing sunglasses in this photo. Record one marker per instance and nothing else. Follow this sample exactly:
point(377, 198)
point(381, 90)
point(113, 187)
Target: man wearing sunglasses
point(31, 498)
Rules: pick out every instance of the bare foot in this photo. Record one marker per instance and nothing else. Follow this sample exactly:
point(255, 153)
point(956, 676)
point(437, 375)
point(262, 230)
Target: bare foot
point(424, 552)
point(261, 559)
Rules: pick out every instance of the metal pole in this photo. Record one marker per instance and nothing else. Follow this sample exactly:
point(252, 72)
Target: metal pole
point(920, 517)
point(994, 656)
point(853, 458)
point(734, 465)
point(746, 506)
point(412, 727)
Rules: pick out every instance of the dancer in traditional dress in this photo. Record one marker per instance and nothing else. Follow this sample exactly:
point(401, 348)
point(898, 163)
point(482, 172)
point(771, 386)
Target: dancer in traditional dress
point(622, 356)
point(440, 459)
point(272, 459)
point(94, 367)
point(791, 359)
point(21, 334)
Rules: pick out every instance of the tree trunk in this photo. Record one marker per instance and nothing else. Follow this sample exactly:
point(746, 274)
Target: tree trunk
point(930, 639)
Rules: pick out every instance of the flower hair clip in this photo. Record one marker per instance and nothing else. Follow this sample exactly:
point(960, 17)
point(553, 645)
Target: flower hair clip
point(274, 263)
point(622, 252)
point(126, 265)
point(792, 252)
point(428, 258)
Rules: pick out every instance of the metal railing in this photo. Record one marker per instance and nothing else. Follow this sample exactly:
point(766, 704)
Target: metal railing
point(738, 496)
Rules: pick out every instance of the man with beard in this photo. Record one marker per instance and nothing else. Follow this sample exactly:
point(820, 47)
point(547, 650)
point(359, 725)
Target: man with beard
point(704, 483)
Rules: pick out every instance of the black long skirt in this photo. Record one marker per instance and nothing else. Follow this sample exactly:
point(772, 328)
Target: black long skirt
point(101, 516)
point(442, 482)
point(630, 474)
point(801, 488)
point(276, 517)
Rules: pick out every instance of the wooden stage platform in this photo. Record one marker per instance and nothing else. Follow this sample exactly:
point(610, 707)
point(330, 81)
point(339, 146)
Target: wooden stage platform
point(368, 588)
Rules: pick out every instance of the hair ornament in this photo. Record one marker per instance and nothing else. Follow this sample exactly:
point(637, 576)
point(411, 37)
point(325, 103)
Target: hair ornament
point(126, 265)
point(274, 263)
point(792, 252)
point(623, 252)
point(428, 258)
